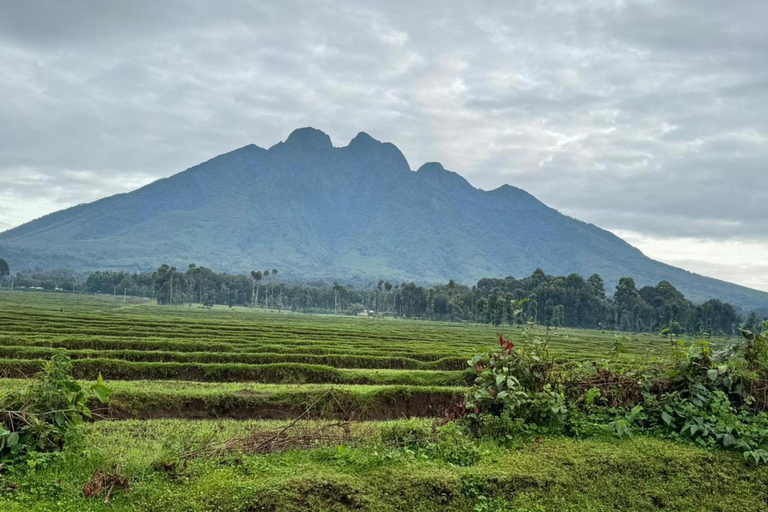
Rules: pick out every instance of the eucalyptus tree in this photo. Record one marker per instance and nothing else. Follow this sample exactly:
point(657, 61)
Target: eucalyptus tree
point(256, 281)
point(5, 270)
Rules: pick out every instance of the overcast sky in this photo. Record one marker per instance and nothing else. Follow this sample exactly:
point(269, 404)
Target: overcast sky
point(648, 118)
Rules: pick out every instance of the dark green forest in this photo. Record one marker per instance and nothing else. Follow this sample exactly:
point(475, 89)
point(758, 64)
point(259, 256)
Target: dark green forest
point(567, 301)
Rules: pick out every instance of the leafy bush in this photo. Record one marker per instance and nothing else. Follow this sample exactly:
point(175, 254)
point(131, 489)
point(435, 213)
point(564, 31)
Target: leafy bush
point(754, 348)
point(517, 381)
point(697, 397)
point(45, 413)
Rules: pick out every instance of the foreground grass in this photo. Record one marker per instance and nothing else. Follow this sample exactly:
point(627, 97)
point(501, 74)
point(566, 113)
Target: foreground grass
point(553, 474)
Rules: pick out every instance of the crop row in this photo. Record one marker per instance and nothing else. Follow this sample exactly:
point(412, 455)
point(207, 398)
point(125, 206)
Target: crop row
point(266, 373)
point(335, 360)
point(84, 342)
point(241, 330)
point(152, 399)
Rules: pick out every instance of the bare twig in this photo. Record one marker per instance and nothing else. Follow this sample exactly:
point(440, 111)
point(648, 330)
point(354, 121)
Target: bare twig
point(267, 442)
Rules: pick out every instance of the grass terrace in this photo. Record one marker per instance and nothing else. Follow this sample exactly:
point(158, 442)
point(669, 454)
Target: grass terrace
point(202, 417)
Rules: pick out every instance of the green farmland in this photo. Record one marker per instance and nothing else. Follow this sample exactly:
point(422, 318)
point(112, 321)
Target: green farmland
point(176, 355)
point(194, 390)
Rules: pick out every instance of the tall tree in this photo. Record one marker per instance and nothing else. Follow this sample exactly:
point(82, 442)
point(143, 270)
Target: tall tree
point(272, 287)
point(629, 304)
point(596, 286)
point(164, 284)
point(5, 270)
point(256, 281)
point(265, 275)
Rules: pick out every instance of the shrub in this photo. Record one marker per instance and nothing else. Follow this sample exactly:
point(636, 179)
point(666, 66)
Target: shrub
point(517, 381)
point(42, 415)
point(698, 397)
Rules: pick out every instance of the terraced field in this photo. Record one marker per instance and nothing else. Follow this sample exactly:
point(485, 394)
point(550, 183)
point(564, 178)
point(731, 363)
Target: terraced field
point(196, 394)
point(235, 362)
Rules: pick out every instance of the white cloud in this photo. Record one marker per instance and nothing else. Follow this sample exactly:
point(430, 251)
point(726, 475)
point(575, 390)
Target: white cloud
point(736, 261)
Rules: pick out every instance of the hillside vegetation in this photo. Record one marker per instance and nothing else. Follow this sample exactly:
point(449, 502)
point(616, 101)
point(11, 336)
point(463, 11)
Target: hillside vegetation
point(318, 211)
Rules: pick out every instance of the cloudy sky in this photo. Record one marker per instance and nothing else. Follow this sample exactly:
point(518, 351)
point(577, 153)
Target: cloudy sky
point(648, 118)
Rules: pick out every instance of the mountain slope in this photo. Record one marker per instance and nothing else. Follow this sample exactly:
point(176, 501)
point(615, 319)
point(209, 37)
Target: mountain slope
point(359, 211)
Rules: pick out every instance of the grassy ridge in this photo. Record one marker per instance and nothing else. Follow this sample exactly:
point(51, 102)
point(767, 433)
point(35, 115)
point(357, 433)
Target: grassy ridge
point(335, 360)
point(551, 474)
point(288, 373)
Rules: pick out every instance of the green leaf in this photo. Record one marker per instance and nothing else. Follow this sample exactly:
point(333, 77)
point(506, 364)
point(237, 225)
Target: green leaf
point(666, 417)
point(500, 378)
point(712, 374)
point(13, 439)
point(101, 391)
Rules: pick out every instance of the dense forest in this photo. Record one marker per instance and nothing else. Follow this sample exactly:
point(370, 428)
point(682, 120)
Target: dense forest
point(569, 301)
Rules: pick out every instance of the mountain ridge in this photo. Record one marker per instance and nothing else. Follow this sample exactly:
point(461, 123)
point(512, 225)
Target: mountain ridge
point(320, 211)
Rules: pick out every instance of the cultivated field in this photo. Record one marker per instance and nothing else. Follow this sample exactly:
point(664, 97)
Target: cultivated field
point(181, 376)
point(192, 362)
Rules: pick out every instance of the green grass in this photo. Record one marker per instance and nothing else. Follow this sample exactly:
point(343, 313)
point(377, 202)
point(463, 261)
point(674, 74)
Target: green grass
point(287, 373)
point(555, 474)
point(335, 360)
point(176, 372)
point(103, 322)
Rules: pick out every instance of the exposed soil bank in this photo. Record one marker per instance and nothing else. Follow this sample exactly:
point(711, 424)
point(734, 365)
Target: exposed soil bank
point(252, 405)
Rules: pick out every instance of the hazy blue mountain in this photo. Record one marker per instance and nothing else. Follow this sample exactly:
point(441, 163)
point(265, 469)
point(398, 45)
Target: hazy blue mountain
point(359, 211)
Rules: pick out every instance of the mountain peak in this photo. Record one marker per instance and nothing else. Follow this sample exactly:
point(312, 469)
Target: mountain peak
point(377, 154)
point(363, 138)
point(430, 167)
point(508, 190)
point(309, 139)
point(437, 175)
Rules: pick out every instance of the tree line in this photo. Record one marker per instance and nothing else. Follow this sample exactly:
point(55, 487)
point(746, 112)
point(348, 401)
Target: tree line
point(568, 301)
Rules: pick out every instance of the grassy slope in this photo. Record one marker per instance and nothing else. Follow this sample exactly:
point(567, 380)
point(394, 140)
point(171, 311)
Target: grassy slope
point(553, 475)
